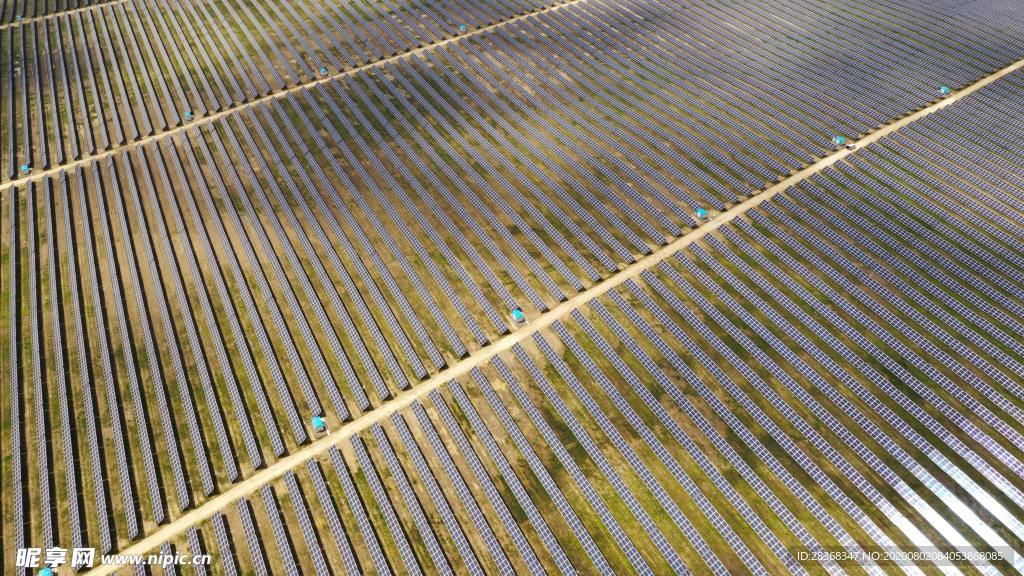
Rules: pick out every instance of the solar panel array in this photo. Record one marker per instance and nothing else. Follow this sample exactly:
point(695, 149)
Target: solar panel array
point(841, 365)
point(706, 296)
point(790, 381)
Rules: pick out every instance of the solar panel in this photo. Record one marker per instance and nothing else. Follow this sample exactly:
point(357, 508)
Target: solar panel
point(306, 524)
point(224, 544)
point(484, 480)
point(385, 506)
point(252, 538)
point(412, 504)
point(355, 505)
point(330, 512)
point(284, 546)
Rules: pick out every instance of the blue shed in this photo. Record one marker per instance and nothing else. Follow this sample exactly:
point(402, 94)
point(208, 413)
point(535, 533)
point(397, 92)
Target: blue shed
point(318, 424)
point(518, 316)
point(702, 213)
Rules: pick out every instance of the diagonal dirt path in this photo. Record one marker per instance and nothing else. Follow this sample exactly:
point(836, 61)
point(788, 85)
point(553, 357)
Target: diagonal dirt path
point(460, 368)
